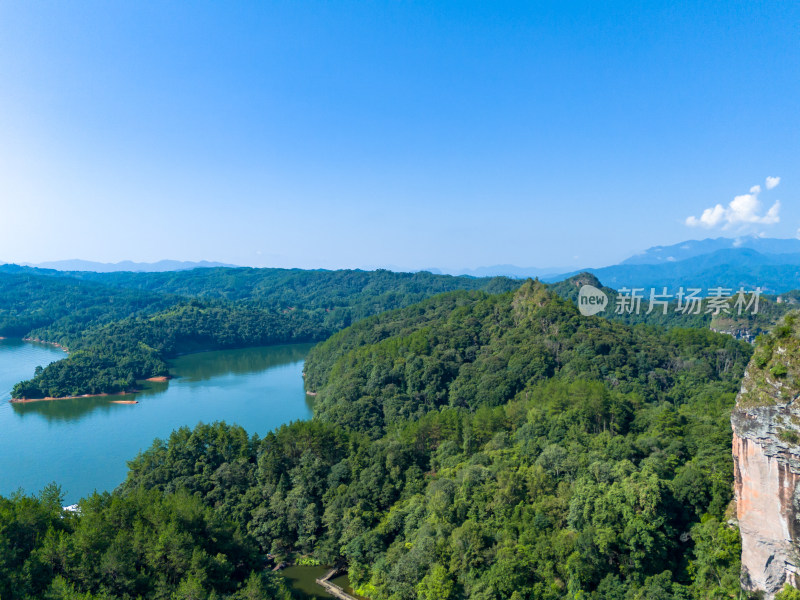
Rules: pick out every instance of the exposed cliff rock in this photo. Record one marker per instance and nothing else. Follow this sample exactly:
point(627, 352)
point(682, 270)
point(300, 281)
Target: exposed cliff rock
point(766, 450)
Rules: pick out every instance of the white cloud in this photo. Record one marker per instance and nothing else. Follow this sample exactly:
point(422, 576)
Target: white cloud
point(743, 210)
point(710, 217)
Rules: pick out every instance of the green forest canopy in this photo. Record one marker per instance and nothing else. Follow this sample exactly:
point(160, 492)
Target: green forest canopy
point(598, 467)
point(123, 327)
point(472, 445)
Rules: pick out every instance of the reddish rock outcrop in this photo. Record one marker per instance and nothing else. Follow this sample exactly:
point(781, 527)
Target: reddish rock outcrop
point(766, 483)
point(766, 452)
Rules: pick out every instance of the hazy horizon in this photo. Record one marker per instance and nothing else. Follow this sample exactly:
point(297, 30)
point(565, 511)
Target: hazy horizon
point(544, 270)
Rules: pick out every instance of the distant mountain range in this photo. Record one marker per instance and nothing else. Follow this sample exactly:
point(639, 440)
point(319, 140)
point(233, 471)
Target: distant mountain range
point(126, 265)
point(694, 248)
point(772, 264)
point(749, 262)
point(500, 271)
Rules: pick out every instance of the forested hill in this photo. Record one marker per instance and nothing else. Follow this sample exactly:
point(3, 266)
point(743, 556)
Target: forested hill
point(300, 287)
point(121, 327)
point(463, 349)
point(491, 447)
point(747, 325)
point(30, 299)
point(285, 287)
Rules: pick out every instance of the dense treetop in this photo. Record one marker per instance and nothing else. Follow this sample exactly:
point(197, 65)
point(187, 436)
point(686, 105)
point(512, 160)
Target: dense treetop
point(143, 545)
point(468, 349)
point(472, 445)
point(122, 326)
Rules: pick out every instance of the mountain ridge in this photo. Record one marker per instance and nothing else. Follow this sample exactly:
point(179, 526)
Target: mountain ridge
point(76, 264)
point(729, 267)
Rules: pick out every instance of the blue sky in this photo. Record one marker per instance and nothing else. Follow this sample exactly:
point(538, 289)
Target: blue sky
point(406, 135)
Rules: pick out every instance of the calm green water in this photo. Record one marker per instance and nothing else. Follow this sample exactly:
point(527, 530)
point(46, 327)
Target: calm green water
point(83, 444)
point(303, 582)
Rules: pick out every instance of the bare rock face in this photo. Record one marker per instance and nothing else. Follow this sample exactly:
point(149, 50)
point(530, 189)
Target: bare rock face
point(766, 452)
point(767, 504)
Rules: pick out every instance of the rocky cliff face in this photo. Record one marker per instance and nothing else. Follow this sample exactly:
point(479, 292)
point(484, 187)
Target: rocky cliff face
point(766, 451)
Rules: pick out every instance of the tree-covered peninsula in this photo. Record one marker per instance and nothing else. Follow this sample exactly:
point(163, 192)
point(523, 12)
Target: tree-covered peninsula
point(121, 327)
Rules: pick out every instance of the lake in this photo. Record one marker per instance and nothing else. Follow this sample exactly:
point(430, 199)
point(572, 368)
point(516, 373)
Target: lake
point(84, 444)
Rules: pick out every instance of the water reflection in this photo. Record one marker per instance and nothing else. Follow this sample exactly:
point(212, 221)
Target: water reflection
point(72, 409)
point(84, 443)
point(205, 365)
point(19, 359)
point(190, 368)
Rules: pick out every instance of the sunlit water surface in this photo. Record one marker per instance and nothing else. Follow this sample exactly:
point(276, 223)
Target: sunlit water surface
point(84, 444)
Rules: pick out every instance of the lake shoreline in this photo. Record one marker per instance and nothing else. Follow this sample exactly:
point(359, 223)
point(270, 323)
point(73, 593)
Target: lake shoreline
point(85, 443)
point(157, 379)
point(38, 341)
point(51, 398)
